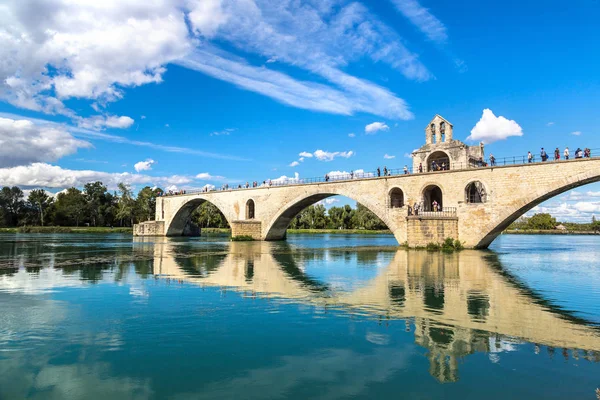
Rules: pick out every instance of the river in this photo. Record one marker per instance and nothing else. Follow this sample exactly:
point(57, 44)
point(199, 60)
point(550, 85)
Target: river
point(318, 316)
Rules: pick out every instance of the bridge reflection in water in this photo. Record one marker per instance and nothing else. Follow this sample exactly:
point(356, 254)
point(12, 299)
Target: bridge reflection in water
point(460, 303)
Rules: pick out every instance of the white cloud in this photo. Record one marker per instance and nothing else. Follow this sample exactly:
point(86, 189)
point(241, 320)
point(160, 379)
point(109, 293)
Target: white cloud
point(205, 176)
point(490, 128)
point(143, 117)
point(100, 122)
point(144, 165)
point(356, 174)
point(576, 133)
point(294, 164)
point(374, 127)
point(226, 132)
point(95, 49)
point(305, 154)
point(550, 124)
point(388, 157)
point(301, 159)
point(328, 201)
point(407, 155)
point(41, 175)
point(24, 142)
point(285, 180)
point(329, 156)
point(351, 135)
point(427, 23)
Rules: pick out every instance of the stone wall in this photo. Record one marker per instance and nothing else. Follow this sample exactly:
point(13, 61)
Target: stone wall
point(422, 231)
point(149, 228)
point(247, 228)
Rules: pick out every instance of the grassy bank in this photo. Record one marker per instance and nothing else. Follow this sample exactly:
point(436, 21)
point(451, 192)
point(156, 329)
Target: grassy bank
point(337, 231)
point(65, 229)
point(546, 232)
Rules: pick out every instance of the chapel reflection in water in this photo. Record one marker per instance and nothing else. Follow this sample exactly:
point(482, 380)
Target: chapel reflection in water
point(460, 303)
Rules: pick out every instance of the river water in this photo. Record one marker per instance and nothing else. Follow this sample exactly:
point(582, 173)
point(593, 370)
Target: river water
point(318, 316)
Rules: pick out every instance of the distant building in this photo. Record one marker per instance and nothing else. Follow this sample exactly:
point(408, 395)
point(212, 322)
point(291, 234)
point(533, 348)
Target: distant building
point(561, 227)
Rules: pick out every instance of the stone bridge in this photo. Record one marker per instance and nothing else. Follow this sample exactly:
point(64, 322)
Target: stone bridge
point(477, 202)
point(503, 194)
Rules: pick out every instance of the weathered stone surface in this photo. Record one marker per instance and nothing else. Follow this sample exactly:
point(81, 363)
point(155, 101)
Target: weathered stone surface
point(510, 191)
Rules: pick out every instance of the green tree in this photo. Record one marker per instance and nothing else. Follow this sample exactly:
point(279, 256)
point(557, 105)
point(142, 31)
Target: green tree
point(95, 194)
point(125, 204)
point(39, 201)
point(11, 204)
point(207, 215)
point(595, 225)
point(145, 203)
point(364, 218)
point(70, 207)
point(541, 221)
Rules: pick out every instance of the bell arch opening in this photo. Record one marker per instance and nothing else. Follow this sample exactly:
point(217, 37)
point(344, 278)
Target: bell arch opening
point(250, 209)
point(475, 193)
point(300, 215)
point(195, 215)
point(433, 199)
point(396, 198)
point(438, 161)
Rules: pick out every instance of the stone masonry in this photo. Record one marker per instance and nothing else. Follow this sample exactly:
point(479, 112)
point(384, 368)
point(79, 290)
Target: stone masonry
point(507, 193)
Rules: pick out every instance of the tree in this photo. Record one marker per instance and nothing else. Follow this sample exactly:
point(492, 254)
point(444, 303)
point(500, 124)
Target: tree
point(364, 218)
point(541, 221)
point(96, 198)
point(145, 203)
point(595, 224)
point(11, 204)
point(125, 205)
point(207, 215)
point(70, 207)
point(39, 201)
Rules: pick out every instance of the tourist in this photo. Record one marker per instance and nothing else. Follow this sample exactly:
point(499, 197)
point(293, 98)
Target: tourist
point(351, 174)
point(420, 168)
point(578, 153)
point(378, 172)
point(492, 160)
point(434, 166)
point(529, 157)
point(566, 154)
point(326, 177)
point(409, 210)
point(434, 205)
point(443, 165)
point(587, 153)
point(543, 155)
point(385, 171)
point(416, 208)
point(405, 170)
point(556, 154)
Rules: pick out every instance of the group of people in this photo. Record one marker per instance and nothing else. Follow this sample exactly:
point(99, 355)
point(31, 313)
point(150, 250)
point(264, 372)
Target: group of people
point(416, 208)
point(585, 153)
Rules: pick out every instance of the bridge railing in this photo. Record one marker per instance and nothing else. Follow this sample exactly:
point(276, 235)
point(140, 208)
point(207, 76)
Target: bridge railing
point(444, 212)
point(383, 172)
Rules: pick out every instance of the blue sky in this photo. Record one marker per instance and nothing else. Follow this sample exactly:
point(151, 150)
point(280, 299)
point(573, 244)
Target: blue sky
point(198, 92)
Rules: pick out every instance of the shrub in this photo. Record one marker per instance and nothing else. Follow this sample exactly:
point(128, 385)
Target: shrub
point(432, 247)
point(242, 238)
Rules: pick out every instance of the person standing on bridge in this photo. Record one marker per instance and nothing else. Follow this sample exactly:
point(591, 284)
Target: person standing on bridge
point(420, 168)
point(405, 170)
point(566, 154)
point(543, 155)
point(492, 160)
point(556, 154)
point(378, 172)
point(326, 177)
point(385, 171)
point(529, 157)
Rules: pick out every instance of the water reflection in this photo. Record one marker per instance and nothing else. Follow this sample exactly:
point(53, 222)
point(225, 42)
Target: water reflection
point(453, 306)
point(461, 303)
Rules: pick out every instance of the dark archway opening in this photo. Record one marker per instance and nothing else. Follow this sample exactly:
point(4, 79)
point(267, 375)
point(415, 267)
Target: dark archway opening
point(438, 161)
point(396, 198)
point(475, 193)
point(250, 209)
point(432, 198)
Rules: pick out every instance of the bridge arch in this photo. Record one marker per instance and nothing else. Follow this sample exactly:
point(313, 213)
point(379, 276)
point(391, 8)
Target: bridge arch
point(181, 219)
point(277, 226)
point(475, 192)
point(526, 203)
point(430, 193)
point(396, 196)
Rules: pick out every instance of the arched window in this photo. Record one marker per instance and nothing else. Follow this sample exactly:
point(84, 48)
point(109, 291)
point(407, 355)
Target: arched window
point(438, 161)
point(250, 209)
point(432, 198)
point(443, 130)
point(475, 193)
point(396, 198)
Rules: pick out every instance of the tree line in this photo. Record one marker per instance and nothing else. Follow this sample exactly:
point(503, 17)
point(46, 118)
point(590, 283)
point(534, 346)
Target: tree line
point(92, 206)
point(545, 221)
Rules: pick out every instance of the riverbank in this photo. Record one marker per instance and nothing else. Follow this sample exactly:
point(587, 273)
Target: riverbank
point(65, 229)
point(546, 232)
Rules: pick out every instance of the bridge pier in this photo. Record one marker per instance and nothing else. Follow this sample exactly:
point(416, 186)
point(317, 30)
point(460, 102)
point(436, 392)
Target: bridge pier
point(250, 228)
